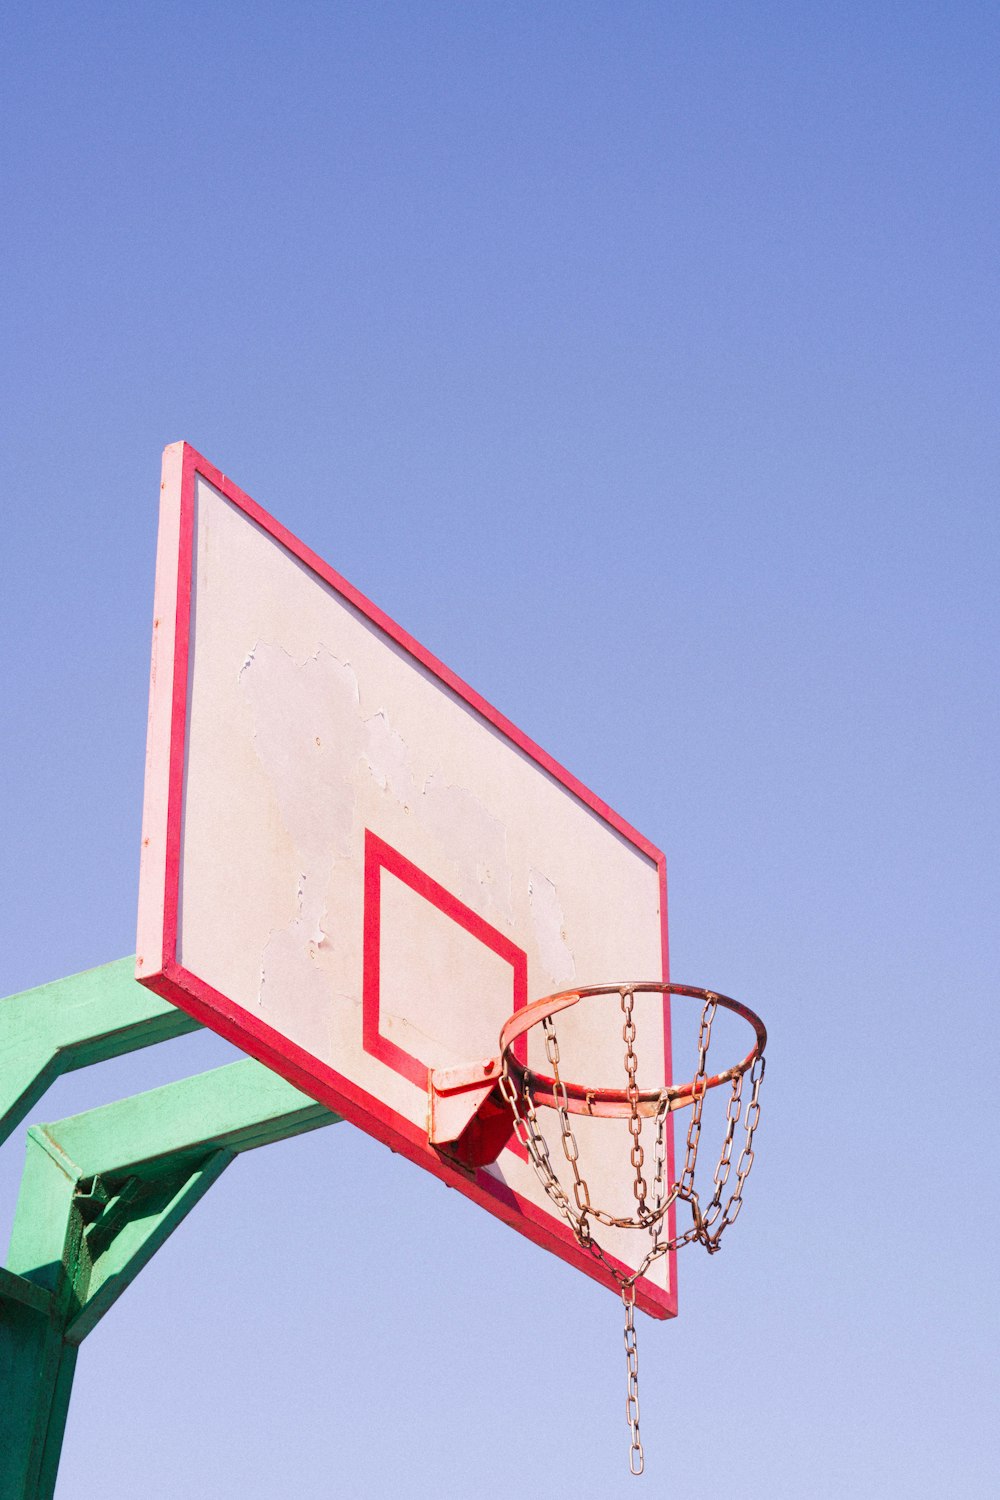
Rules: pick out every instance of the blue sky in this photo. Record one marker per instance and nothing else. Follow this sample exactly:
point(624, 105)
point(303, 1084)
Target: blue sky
point(642, 362)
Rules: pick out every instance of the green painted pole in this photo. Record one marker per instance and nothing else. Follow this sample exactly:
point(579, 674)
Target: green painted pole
point(36, 1378)
point(36, 1364)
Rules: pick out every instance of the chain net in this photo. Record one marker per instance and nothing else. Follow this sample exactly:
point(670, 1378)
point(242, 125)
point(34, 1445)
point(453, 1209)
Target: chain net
point(654, 1196)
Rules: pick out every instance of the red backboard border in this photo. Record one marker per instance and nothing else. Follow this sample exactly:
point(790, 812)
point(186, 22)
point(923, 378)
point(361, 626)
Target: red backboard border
point(156, 964)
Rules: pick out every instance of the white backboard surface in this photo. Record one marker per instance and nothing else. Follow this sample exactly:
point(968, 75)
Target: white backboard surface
point(355, 869)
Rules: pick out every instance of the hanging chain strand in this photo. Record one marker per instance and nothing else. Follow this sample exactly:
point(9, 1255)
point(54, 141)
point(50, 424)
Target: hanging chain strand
point(637, 1155)
point(659, 1175)
point(733, 1110)
point(651, 1208)
point(636, 1457)
point(751, 1120)
point(571, 1150)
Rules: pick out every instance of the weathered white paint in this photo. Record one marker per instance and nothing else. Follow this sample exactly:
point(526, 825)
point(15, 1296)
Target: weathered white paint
point(549, 926)
point(307, 726)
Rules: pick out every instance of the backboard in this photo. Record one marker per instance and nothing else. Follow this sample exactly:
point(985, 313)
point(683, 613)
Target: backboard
point(355, 869)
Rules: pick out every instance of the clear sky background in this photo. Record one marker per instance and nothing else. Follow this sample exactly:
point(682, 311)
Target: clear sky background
point(641, 360)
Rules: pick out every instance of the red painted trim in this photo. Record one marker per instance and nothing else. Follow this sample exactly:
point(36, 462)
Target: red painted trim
point(245, 1029)
point(668, 1067)
point(381, 856)
point(345, 1098)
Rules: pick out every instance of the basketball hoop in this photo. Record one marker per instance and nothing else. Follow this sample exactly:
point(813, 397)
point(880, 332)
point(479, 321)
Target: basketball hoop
point(524, 1091)
point(466, 861)
point(471, 1108)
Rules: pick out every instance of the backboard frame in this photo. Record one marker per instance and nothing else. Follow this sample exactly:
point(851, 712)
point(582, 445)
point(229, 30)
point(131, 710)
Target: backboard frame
point(157, 964)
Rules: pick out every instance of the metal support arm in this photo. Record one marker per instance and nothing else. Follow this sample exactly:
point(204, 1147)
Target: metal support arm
point(102, 1191)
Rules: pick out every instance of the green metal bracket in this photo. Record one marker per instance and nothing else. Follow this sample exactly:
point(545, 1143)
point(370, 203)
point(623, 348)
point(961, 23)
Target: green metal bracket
point(73, 1023)
point(102, 1191)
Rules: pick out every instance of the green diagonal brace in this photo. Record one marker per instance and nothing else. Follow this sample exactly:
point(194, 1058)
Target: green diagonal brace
point(102, 1191)
point(138, 1166)
point(155, 1217)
